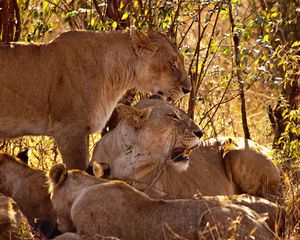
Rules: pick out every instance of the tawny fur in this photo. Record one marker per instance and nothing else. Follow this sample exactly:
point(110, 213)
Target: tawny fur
point(27, 187)
point(70, 236)
point(250, 167)
point(112, 208)
point(75, 82)
point(13, 224)
point(273, 214)
point(139, 156)
point(143, 149)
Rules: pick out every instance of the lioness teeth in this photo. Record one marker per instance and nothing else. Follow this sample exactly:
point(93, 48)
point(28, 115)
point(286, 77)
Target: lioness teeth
point(186, 152)
point(180, 154)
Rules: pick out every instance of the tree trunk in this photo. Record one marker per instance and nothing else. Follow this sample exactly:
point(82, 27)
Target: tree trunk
point(10, 25)
point(291, 93)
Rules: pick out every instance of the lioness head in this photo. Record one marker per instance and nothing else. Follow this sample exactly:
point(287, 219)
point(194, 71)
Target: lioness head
point(161, 67)
point(153, 132)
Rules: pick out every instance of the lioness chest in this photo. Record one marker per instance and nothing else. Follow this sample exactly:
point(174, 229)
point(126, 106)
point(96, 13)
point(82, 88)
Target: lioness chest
point(103, 110)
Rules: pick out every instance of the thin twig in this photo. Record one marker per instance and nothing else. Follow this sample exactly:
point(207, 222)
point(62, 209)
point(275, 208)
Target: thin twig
point(208, 48)
point(236, 41)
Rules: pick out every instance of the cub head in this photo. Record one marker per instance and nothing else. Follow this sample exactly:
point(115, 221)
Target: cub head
point(65, 188)
point(57, 175)
point(160, 67)
point(60, 195)
point(156, 131)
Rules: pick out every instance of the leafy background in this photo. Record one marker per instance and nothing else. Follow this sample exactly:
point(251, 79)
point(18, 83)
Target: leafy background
point(242, 57)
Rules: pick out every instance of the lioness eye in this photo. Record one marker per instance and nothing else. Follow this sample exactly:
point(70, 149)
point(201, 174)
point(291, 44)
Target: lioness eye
point(173, 66)
point(174, 116)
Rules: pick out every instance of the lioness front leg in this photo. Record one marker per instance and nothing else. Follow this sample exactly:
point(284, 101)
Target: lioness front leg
point(73, 146)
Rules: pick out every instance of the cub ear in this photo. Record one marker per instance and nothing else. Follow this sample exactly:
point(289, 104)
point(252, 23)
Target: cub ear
point(133, 116)
point(58, 173)
point(101, 170)
point(97, 170)
point(141, 41)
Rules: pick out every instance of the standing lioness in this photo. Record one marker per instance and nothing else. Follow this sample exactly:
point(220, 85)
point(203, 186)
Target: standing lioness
point(69, 87)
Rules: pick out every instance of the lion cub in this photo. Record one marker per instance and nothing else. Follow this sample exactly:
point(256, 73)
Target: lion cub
point(90, 205)
point(28, 187)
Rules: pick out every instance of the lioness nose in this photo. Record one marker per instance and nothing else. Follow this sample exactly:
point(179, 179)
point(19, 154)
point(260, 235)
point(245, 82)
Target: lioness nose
point(199, 133)
point(185, 90)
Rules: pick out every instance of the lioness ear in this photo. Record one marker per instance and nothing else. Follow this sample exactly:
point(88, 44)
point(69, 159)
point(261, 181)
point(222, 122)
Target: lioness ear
point(133, 116)
point(141, 42)
point(58, 173)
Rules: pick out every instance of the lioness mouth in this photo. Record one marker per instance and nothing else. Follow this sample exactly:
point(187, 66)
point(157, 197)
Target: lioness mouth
point(180, 155)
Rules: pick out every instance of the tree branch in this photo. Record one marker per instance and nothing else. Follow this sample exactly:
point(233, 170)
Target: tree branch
point(237, 55)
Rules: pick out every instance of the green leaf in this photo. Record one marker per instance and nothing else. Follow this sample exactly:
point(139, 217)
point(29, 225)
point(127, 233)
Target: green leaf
point(296, 44)
point(125, 15)
point(121, 5)
point(164, 25)
point(35, 13)
point(45, 5)
point(114, 25)
point(93, 22)
point(266, 38)
point(72, 14)
point(274, 14)
point(136, 5)
point(226, 52)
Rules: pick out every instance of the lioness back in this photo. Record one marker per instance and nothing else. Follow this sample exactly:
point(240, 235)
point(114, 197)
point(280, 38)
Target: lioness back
point(250, 167)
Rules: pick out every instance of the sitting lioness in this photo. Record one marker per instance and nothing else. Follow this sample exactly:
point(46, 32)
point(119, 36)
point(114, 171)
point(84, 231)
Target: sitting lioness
point(94, 206)
point(141, 155)
point(69, 87)
point(27, 187)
